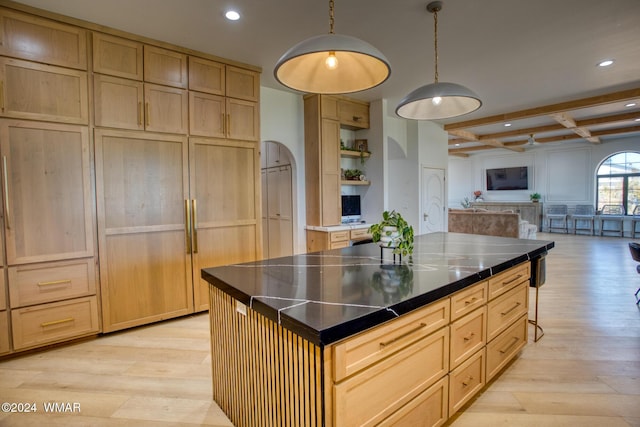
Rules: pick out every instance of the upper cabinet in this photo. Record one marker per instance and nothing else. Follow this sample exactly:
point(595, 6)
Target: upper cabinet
point(43, 92)
point(243, 84)
point(37, 39)
point(353, 114)
point(117, 56)
point(206, 76)
point(165, 67)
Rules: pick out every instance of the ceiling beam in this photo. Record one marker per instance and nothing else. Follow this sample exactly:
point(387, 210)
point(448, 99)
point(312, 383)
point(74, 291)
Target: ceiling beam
point(567, 121)
point(471, 137)
point(549, 109)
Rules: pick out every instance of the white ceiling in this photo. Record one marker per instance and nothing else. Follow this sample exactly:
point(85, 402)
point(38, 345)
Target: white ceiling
point(515, 54)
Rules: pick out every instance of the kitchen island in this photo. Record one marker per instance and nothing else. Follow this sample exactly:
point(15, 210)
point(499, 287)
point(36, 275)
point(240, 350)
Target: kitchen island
point(346, 337)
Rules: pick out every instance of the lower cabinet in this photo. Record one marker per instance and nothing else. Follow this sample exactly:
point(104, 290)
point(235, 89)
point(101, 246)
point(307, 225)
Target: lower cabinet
point(422, 368)
point(4, 332)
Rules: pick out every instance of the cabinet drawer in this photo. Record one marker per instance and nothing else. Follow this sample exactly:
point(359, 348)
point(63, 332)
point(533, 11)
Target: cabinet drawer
point(505, 309)
point(367, 348)
point(4, 332)
point(467, 300)
point(339, 245)
point(3, 298)
point(468, 335)
point(429, 409)
point(55, 322)
point(501, 350)
point(360, 234)
point(374, 394)
point(466, 381)
point(338, 236)
point(501, 283)
point(39, 283)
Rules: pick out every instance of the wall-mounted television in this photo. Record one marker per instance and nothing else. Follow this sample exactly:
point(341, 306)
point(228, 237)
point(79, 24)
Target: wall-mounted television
point(514, 178)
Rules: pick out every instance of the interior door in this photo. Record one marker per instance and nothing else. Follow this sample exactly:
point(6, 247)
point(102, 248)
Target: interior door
point(433, 200)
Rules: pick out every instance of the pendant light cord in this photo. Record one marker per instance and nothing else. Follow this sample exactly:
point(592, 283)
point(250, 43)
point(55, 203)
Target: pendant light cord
point(331, 16)
point(435, 38)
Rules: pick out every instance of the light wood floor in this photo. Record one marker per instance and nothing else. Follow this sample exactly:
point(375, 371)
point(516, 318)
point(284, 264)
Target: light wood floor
point(584, 372)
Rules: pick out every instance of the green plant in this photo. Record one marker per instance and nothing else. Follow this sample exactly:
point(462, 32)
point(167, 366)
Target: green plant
point(535, 196)
point(404, 241)
point(352, 173)
point(466, 203)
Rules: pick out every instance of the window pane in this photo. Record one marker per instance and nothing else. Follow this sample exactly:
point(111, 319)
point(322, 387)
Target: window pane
point(610, 190)
point(633, 198)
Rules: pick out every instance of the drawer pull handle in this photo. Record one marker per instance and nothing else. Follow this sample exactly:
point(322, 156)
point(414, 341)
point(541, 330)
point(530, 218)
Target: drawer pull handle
point(140, 113)
point(512, 280)
point(399, 337)
point(55, 282)
point(467, 381)
point(471, 301)
point(468, 337)
point(514, 340)
point(504, 313)
point(6, 192)
point(57, 322)
point(147, 113)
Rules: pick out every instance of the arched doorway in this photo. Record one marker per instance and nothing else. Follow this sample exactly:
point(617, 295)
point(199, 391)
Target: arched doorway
point(277, 200)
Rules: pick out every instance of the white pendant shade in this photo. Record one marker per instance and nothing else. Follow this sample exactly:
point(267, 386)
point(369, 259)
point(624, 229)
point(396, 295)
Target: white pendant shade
point(304, 67)
point(438, 101)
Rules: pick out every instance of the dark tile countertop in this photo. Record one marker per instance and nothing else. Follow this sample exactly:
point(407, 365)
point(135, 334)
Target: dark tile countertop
point(330, 295)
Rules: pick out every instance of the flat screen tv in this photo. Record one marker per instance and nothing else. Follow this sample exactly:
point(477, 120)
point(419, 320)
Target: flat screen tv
point(514, 178)
point(351, 207)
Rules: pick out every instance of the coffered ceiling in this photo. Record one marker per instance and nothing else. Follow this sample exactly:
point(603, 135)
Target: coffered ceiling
point(532, 62)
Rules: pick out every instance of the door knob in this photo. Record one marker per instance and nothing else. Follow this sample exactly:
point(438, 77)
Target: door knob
point(425, 216)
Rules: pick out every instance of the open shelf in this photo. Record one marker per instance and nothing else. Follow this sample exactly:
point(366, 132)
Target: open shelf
point(351, 153)
point(354, 182)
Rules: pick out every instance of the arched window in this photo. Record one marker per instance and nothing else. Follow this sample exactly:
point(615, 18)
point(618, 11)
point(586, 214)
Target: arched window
point(619, 181)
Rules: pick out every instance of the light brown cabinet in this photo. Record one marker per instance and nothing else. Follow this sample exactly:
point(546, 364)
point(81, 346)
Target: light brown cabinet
point(116, 56)
point(46, 168)
point(279, 211)
point(322, 123)
point(130, 104)
point(224, 188)
point(42, 40)
point(145, 191)
point(42, 92)
point(353, 114)
point(223, 101)
point(165, 67)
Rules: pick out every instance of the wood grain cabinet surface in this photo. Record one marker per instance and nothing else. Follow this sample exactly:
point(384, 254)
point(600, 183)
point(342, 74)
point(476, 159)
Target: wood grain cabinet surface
point(117, 56)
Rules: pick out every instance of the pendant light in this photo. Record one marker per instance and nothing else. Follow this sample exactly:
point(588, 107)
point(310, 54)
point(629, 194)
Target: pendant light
point(332, 64)
point(439, 100)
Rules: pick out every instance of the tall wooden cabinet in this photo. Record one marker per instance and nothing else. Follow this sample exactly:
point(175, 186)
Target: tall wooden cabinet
point(96, 139)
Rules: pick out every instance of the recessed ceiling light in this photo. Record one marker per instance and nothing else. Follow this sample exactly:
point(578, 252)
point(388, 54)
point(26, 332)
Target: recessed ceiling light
point(507, 125)
point(232, 15)
point(631, 104)
point(457, 145)
point(637, 120)
point(605, 63)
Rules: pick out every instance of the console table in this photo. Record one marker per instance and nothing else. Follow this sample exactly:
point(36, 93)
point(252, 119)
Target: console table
point(344, 337)
point(529, 211)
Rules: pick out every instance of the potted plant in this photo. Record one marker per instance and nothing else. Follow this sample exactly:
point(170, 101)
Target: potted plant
point(535, 197)
point(393, 232)
point(352, 174)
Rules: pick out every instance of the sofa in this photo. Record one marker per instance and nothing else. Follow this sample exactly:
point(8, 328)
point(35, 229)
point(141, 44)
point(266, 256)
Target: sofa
point(490, 223)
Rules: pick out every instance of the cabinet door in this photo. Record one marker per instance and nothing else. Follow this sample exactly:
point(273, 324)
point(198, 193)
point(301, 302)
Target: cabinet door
point(47, 191)
point(4, 332)
point(165, 67)
point(225, 185)
point(243, 84)
point(141, 189)
point(330, 173)
point(117, 56)
point(206, 76)
point(279, 212)
point(42, 92)
point(166, 109)
point(243, 121)
point(118, 102)
point(38, 39)
point(353, 115)
point(206, 115)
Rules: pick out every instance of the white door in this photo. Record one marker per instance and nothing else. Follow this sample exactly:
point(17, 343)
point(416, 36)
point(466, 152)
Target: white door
point(432, 215)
